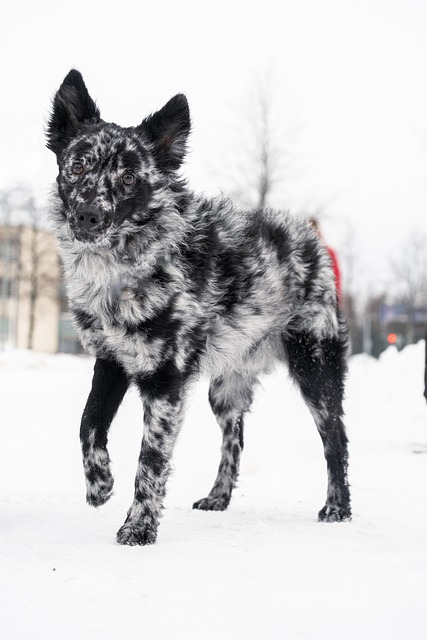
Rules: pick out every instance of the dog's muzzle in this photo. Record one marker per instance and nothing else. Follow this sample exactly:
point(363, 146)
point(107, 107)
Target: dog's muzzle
point(88, 223)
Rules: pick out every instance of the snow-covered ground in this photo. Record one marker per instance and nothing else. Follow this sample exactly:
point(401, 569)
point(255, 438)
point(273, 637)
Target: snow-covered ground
point(265, 569)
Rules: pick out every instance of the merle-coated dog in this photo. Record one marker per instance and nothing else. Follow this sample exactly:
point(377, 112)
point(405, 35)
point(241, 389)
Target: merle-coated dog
point(164, 284)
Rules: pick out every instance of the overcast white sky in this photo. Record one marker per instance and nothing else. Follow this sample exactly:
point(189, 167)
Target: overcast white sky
point(349, 76)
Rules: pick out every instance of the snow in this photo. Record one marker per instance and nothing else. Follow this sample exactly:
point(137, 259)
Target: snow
point(265, 568)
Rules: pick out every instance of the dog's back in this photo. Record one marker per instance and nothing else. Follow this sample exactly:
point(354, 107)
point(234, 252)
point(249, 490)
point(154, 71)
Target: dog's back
point(253, 275)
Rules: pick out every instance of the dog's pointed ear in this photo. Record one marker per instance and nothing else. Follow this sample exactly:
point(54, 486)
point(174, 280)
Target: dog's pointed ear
point(168, 131)
point(72, 106)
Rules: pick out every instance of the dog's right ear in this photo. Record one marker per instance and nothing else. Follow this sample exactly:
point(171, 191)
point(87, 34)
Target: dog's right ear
point(72, 106)
point(168, 131)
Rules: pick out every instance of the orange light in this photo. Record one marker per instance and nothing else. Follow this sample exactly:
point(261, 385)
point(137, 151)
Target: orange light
point(392, 338)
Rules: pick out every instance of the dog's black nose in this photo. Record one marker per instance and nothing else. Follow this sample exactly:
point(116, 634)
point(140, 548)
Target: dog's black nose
point(88, 217)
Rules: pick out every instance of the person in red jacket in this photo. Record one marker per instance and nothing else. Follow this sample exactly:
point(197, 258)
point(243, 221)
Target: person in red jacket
point(334, 260)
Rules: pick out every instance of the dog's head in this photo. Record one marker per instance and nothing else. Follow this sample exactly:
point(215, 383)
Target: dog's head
point(109, 175)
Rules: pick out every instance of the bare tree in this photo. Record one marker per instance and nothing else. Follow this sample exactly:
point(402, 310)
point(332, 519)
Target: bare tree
point(348, 261)
point(410, 279)
point(267, 153)
point(350, 292)
point(262, 150)
point(410, 272)
point(38, 274)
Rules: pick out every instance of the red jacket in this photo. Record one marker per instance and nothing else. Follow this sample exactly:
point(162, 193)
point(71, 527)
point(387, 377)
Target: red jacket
point(337, 272)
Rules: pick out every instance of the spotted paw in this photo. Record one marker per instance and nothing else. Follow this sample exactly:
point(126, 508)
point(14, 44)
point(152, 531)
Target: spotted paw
point(334, 514)
point(99, 493)
point(99, 485)
point(213, 503)
point(134, 534)
point(99, 479)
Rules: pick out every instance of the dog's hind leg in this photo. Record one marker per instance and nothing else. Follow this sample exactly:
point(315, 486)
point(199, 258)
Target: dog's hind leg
point(109, 385)
point(319, 368)
point(229, 397)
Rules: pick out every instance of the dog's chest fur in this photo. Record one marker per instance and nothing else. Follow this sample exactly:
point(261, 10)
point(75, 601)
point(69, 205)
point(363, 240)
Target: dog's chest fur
point(105, 292)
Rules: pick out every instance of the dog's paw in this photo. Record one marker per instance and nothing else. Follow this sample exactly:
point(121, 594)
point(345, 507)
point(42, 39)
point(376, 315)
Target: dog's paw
point(99, 484)
point(213, 503)
point(134, 534)
point(99, 479)
point(334, 514)
point(98, 493)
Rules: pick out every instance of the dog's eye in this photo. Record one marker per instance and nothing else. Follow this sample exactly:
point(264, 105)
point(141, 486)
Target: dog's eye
point(77, 168)
point(128, 179)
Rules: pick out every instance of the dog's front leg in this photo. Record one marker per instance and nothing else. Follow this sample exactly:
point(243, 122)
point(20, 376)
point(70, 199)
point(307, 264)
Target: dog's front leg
point(163, 397)
point(109, 386)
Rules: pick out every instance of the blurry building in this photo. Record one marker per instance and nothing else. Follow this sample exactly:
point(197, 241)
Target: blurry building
point(33, 311)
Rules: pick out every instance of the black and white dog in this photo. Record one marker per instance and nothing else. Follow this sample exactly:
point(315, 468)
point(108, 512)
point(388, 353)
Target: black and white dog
point(164, 285)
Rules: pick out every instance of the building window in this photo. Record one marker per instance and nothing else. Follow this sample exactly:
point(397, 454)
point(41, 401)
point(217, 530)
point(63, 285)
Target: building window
point(8, 249)
point(4, 327)
point(5, 287)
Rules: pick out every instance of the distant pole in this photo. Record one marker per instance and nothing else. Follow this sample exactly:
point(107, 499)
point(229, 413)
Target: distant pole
point(367, 334)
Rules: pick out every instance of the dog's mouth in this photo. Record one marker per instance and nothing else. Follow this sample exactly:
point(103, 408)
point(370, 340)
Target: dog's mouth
point(83, 235)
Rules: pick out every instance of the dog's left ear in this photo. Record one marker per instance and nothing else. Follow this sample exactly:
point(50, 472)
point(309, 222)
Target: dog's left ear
point(168, 131)
point(72, 107)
